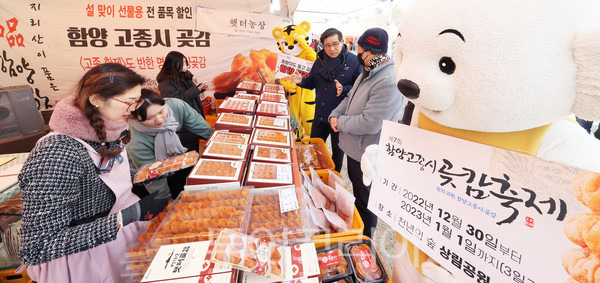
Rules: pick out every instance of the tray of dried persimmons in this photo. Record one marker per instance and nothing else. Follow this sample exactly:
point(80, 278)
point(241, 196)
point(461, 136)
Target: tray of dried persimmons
point(161, 167)
point(199, 216)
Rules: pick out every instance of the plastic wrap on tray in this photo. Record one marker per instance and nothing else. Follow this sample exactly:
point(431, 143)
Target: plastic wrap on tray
point(233, 119)
point(274, 97)
point(268, 108)
point(161, 167)
point(224, 136)
point(223, 150)
point(311, 155)
point(261, 174)
point(267, 221)
point(271, 154)
point(272, 123)
point(250, 86)
point(271, 138)
point(216, 171)
point(245, 95)
point(198, 216)
point(273, 88)
point(366, 264)
point(249, 253)
point(237, 105)
point(334, 264)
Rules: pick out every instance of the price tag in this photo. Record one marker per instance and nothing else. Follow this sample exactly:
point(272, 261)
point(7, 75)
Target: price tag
point(288, 200)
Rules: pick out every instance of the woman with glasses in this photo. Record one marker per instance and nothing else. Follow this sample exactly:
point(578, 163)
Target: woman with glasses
point(332, 76)
point(154, 136)
point(79, 214)
point(175, 80)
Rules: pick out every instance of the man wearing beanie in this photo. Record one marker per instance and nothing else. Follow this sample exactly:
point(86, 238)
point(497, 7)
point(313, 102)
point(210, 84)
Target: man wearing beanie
point(332, 76)
point(373, 98)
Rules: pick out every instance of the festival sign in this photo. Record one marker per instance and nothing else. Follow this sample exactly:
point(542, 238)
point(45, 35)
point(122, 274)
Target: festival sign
point(484, 213)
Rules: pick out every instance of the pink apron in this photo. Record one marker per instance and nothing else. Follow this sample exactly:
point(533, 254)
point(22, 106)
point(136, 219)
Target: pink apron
point(104, 263)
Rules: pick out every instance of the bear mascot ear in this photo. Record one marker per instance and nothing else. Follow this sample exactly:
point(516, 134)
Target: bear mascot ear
point(586, 54)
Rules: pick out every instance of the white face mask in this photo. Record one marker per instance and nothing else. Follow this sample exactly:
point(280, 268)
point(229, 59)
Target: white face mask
point(184, 68)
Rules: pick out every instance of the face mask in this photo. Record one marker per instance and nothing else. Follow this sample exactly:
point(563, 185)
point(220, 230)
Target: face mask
point(361, 61)
point(184, 68)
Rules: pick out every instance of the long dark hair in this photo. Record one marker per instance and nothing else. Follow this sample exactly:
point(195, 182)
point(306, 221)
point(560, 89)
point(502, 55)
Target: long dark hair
point(150, 98)
point(171, 69)
point(106, 80)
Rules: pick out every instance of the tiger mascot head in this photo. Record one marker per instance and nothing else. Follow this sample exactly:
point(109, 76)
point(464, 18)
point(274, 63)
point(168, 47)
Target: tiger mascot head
point(293, 39)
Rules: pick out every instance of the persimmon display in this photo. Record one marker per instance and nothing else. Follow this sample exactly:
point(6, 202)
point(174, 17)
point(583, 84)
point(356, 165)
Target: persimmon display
point(311, 155)
point(273, 88)
point(225, 149)
point(275, 97)
point(229, 137)
point(235, 104)
point(235, 118)
point(272, 152)
point(198, 216)
point(272, 136)
point(215, 168)
point(273, 108)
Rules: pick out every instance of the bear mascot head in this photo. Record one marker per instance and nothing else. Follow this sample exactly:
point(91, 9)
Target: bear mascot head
point(503, 73)
point(293, 40)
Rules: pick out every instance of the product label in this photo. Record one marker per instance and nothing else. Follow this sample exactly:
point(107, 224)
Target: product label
point(329, 260)
point(365, 259)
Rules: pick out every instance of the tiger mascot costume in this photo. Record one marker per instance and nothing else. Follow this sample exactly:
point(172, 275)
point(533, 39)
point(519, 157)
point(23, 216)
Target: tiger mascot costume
point(293, 40)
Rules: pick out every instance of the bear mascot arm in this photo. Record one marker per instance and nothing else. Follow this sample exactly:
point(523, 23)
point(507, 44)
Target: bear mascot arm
point(503, 73)
point(293, 40)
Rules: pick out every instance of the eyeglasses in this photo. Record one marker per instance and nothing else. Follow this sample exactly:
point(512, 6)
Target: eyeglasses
point(136, 104)
point(335, 44)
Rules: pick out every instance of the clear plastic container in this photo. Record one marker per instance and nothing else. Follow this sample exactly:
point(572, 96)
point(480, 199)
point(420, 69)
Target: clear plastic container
point(199, 216)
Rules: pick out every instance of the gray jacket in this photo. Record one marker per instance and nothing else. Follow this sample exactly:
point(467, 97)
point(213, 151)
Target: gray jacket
point(369, 102)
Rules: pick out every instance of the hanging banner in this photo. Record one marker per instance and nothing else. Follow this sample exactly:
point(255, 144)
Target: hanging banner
point(50, 47)
point(487, 214)
point(249, 24)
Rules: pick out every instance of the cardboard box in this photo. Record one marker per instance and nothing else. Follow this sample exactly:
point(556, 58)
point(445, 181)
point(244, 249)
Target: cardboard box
point(273, 96)
point(223, 150)
point(273, 109)
point(245, 95)
point(238, 123)
point(186, 260)
point(271, 138)
point(210, 171)
point(273, 88)
point(272, 123)
point(237, 105)
point(250, 87)
point(226, 136)
point(271, 154)
point(262, 174)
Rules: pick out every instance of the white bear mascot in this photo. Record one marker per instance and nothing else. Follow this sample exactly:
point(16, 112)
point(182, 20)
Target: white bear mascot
point(503, 73)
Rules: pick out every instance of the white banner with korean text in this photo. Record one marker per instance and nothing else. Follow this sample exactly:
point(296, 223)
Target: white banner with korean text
point(250, 24)
point(484, 213)
point(287, 65)
point(50, 46)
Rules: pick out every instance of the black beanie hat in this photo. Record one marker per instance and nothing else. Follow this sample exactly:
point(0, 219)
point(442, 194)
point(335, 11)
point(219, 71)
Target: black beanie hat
point(374, 40)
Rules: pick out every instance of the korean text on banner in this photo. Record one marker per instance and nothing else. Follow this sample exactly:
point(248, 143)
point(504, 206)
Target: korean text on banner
point(482, 212)
point(239, 23)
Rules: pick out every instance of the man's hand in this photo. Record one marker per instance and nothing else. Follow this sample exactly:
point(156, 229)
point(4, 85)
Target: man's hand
point(333, 121)
point(339, 87)
point(296, 78)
